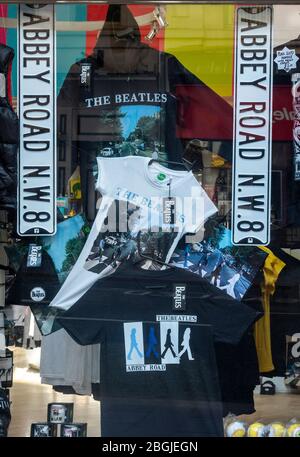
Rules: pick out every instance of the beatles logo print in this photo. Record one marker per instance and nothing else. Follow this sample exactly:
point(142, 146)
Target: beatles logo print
point(152, 347)
point(179, 297)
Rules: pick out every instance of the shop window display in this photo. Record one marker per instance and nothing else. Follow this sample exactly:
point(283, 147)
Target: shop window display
point(173, 326)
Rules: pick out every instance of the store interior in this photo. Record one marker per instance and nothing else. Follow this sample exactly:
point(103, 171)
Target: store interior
point(132, 82)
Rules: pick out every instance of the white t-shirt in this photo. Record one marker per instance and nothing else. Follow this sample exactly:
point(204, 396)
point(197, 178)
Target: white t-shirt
point(134, 216)
point(58, 353)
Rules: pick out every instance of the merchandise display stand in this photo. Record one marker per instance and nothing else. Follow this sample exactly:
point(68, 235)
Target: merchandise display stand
point(59, 423)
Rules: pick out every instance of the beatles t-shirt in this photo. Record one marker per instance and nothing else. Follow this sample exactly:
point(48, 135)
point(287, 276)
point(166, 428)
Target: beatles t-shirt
point(135, 217)
point(127, 98)
point(158, 367)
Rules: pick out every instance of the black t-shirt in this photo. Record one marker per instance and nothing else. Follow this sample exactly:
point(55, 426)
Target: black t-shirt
point(238, 374)
point(158, 367)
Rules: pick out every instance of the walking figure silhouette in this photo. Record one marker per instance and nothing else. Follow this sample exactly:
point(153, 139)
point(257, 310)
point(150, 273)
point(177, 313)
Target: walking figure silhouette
point(168, 345)
point(186, 344)
point(133, 345)
point(152, 342)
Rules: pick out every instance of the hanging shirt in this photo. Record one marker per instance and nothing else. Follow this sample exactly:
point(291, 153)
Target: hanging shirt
point(158, 367)
point(133, 218)
point(127, 98)
point(272, 268)
point(215, 259)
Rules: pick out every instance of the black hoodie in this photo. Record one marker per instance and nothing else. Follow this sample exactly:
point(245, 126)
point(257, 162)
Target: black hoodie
point(124, 99)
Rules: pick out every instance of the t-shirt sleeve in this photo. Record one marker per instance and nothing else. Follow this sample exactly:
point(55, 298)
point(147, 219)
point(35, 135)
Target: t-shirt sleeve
point(200, 210)
point(194, 98)
point(100, 183)
point(69, 93)
point(108, 171)
point(87, 320)
point(229, 318)
point(81, 328)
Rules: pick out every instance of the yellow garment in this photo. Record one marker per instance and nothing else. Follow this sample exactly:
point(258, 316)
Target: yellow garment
point(74, 184)
point(262, 333)
point(217, 161)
